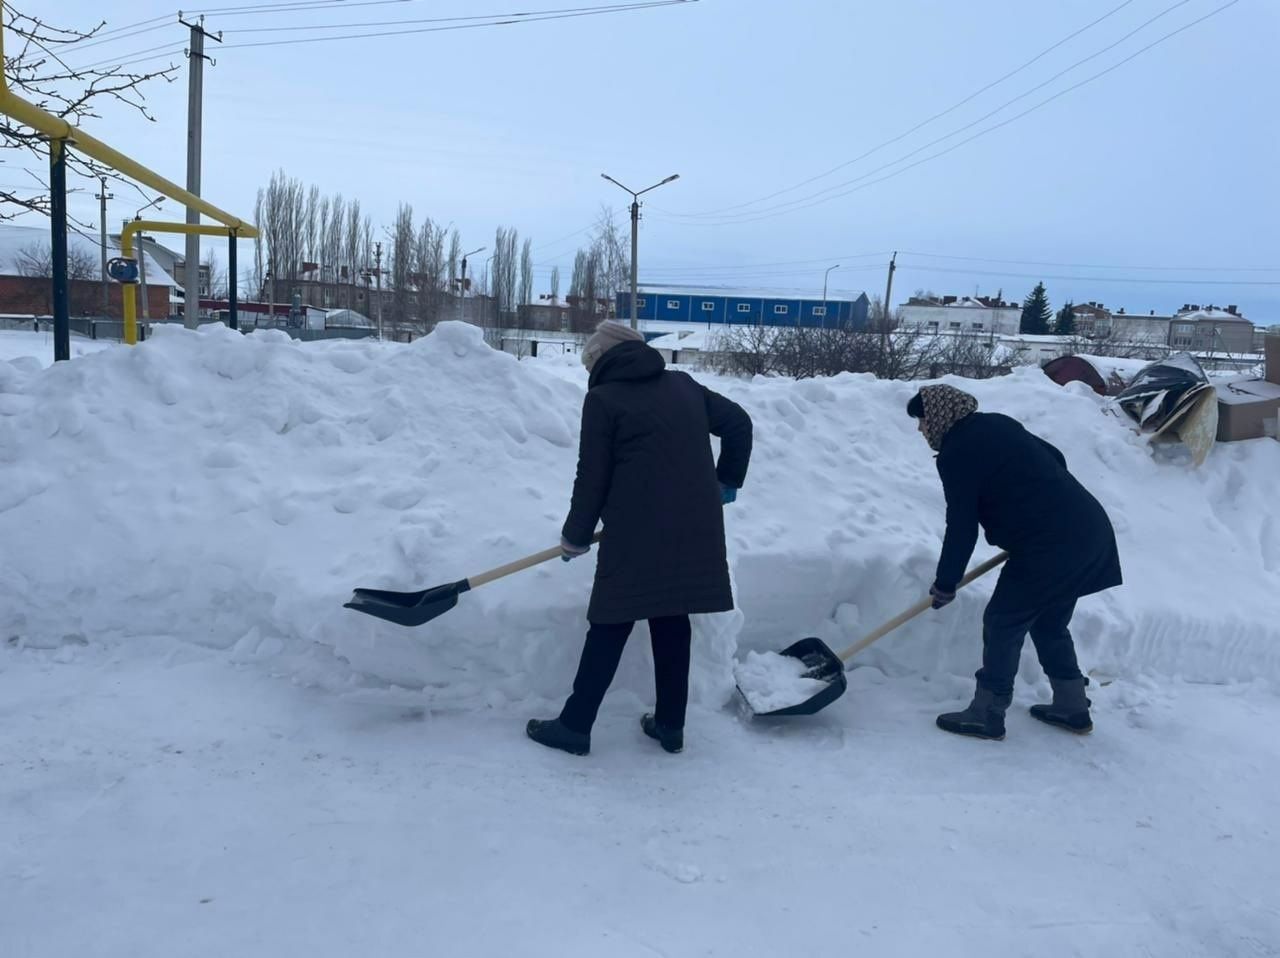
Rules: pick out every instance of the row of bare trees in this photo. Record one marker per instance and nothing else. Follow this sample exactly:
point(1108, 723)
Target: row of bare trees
point(327, 250)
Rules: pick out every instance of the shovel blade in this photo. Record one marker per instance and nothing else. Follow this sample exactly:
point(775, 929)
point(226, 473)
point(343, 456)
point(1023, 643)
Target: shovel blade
point(824, 665)
point(406, 608)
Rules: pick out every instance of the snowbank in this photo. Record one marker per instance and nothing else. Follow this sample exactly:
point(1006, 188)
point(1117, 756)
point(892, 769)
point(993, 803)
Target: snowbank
point(230, 490)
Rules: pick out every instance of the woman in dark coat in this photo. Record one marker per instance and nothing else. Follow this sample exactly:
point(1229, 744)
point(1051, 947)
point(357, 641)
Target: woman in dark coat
point(645, 467)
point(1061, 546)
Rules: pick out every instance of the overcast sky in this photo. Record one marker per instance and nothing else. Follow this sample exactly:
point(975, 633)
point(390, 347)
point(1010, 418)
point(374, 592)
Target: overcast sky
point(1168, 161)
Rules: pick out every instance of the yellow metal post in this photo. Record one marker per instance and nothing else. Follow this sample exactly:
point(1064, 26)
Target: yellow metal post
point(126, 250)
point(57, 129)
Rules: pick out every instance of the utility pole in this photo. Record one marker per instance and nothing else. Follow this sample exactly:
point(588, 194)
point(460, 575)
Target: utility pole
point(195, 117)
point(102, 206)
point(377, 272)
point(635, 232)
point(884, 320)
point(462, 284)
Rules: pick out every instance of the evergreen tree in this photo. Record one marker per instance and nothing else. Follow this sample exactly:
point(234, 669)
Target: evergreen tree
point(1065, 324)
point(1036, 312)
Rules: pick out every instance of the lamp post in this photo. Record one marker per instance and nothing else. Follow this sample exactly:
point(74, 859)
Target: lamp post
point(462, 283)
point(825, 276)
point(635, 229)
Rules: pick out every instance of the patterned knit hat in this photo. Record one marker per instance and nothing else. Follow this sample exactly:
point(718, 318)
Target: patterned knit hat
point(941, 407)
point(607, 335)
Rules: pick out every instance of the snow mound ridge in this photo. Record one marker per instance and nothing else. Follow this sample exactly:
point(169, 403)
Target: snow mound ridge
point(230, 490)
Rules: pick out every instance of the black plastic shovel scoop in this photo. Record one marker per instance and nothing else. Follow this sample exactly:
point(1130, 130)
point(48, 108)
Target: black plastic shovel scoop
point(417, 608)
point(819, 680)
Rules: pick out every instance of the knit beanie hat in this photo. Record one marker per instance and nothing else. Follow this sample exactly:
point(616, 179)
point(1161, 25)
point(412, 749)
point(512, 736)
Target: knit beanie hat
point(607, 335)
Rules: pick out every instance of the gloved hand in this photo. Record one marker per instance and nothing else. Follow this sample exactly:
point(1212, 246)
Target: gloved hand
point(941, 597)
point(569, 551)
point(728, 494)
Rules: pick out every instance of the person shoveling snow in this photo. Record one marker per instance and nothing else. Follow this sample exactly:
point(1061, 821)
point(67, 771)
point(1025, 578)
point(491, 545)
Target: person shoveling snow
point(645, 467)
point(1061, 547)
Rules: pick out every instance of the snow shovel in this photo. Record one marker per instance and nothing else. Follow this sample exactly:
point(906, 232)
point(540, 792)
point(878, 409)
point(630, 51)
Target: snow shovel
point(825, 666)
point(418, 608)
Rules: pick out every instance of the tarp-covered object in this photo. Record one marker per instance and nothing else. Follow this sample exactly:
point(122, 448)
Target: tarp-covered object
point(1163, 391)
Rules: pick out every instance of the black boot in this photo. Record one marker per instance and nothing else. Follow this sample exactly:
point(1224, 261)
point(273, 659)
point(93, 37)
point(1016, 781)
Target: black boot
point(1070, 706)
point(671, 739)
point(984, 718)
point(554, 734)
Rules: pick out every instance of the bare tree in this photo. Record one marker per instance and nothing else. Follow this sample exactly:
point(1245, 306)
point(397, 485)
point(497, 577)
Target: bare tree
point(526, 273)
point(555, 284)
point(429, 272)
point(403, 238)
point(455, 257)
point(35, 261)
point(35, 69)
point(218, 281)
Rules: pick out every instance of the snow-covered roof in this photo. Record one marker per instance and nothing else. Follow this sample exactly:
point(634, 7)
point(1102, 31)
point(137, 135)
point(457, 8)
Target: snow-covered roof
point(1216, 315)
point(807, 295)
point(692, 340)
point(16, 240)
point(347, 317)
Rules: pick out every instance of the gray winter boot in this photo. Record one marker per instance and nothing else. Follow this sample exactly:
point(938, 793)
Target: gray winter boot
point(1070, 706)
point(984, 718)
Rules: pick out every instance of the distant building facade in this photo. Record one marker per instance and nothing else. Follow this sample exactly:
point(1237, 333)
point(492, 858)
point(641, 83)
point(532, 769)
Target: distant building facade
point(729, 306)
point(968, 315)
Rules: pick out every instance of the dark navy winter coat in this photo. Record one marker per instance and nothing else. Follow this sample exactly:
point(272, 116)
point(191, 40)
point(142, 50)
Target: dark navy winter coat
point(645, 466)
point(1016, 486)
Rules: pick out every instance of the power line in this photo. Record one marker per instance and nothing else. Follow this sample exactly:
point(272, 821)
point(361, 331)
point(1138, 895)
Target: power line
point(785, 208)
point(934, 142)
point(98, 39)
point(937, 116)
point(500, 20)
point(1026, 262)
point(293, 28)
point(1102, 279)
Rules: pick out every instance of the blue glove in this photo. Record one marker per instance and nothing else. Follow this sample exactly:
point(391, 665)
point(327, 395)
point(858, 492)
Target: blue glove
point(568, 551)
point(728, 494)
point(941, 596)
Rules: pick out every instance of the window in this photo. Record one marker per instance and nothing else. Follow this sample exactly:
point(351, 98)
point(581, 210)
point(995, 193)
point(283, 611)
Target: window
point(955, 325)
point(933, 325)
point(708, 307)
point(639, 302)
point(780, 310)
point(819, 310)
point(744, 307)
point(673, 304)
point(979, 326)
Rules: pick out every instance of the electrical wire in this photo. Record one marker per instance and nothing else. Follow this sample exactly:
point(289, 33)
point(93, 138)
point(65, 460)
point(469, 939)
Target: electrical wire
point(1100, 279)
point(946, 136)
point(151, 53)
point(921, 125)
point(1025, 262)
point(820, 199)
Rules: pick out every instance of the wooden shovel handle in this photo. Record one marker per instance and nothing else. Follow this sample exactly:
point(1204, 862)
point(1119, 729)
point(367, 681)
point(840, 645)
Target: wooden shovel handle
point(511, 568)
point(911, 613)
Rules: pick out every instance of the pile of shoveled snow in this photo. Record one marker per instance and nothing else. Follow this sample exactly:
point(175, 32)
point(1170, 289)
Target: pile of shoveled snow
point(230, 490)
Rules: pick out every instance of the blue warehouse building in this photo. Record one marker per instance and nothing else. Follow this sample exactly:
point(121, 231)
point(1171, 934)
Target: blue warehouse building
point(725, 306)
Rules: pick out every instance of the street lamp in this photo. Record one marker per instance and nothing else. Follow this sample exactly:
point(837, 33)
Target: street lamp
point(825, 276)
point(635, 229)
point(462, 283)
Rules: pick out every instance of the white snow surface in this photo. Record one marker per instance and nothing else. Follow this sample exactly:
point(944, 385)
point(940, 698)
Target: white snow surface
point(770, 681)
point(181, 521)
point(36, 349)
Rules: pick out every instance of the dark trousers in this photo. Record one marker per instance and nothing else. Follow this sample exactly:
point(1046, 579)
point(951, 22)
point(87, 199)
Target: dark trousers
point(601, 655)
point(1003, 632)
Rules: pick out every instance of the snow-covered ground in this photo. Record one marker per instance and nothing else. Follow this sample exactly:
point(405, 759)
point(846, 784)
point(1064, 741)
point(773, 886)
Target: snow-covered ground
point(28, 345)
point(204, 754)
